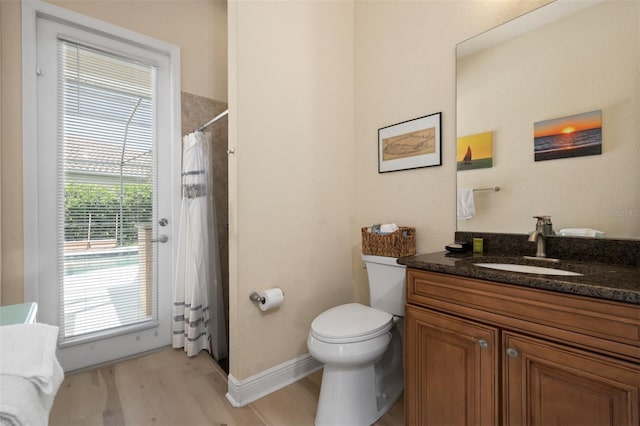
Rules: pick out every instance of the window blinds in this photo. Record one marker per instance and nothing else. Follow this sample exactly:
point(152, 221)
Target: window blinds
point(106, 192)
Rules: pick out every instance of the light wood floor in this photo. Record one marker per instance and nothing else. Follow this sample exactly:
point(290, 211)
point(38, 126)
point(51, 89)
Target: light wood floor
point(167, 388)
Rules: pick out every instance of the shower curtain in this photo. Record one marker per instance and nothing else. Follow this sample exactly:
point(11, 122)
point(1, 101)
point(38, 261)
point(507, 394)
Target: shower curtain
point(198, 310)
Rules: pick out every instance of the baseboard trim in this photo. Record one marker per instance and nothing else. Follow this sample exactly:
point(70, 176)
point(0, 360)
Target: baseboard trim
point(243, 392)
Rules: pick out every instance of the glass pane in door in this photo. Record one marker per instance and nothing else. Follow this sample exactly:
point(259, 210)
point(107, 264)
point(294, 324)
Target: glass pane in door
point(106, 192)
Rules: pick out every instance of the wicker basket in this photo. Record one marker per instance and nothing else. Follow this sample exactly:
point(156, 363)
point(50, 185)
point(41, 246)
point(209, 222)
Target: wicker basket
point(397, 244)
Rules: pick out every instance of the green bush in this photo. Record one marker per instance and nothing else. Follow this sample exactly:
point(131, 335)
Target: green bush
point(102, 202)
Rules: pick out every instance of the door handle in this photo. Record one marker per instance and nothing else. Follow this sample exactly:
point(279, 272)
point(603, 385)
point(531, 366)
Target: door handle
point(161, 239)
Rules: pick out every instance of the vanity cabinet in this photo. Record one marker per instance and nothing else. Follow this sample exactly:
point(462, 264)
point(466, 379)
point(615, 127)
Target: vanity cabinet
point(485, 353)
point(451, 370)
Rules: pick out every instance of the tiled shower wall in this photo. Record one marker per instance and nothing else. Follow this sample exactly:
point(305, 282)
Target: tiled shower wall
point(196, 111)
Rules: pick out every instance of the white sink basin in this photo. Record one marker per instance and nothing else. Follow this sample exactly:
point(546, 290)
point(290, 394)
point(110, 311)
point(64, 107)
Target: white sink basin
point(526, 269)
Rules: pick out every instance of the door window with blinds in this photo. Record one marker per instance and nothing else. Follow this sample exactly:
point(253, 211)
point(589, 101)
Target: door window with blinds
point(101, 181)
point(106, 190)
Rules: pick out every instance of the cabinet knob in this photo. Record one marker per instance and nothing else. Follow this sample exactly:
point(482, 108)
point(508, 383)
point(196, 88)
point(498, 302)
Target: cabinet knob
point(511, 352)
point(483, 343)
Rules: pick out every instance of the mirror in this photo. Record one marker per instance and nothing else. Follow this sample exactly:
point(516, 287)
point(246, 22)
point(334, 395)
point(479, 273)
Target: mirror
point(564, 59)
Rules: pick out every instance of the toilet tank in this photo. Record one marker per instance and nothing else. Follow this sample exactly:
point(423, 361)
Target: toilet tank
point(387, 284)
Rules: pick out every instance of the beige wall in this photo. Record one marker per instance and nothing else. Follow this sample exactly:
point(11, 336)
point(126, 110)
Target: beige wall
point(11, 167)
point(405, 68)
point(291, 179)
point(310, 84)
point(593, 64)
point(199, 27)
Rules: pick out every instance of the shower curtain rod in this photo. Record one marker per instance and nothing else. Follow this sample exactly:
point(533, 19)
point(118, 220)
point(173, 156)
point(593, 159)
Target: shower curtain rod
point(213, 120)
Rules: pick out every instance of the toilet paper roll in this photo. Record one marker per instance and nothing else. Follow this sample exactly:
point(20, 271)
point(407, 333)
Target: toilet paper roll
point(272, 299)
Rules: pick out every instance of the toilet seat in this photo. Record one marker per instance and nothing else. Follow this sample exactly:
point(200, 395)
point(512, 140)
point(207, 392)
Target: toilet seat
point(351, 323)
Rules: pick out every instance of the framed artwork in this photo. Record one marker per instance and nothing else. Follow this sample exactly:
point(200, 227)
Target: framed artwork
point(411, 144)
point(475, 151)
point(572, 136)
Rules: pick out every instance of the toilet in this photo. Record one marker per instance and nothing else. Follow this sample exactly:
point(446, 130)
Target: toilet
point(361, 349)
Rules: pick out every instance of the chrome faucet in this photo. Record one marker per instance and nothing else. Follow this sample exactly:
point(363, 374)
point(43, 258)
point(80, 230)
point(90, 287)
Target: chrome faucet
point(544, 228)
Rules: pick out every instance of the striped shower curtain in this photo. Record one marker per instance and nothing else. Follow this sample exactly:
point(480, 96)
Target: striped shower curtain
point(198, 313)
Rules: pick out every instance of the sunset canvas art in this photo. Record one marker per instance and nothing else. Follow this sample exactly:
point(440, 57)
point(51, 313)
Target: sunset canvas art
point(572, 136)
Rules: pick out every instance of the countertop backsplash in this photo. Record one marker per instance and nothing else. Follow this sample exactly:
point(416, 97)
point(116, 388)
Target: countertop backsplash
point(600, 250)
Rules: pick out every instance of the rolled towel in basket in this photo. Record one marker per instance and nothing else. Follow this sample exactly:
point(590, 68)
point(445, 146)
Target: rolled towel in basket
point(388, 228)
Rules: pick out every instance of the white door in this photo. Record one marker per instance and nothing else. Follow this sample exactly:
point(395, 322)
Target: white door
point(106, 193)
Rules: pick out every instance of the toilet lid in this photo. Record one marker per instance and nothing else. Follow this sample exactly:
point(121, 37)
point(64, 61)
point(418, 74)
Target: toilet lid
point(352, 322)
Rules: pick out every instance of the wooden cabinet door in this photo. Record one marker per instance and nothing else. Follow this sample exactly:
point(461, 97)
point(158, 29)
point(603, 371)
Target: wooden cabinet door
point(451, 370)
point(549, 384)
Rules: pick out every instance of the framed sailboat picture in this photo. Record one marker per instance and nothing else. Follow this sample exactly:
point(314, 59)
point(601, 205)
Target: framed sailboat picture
point(411, 144)
point(475, 151)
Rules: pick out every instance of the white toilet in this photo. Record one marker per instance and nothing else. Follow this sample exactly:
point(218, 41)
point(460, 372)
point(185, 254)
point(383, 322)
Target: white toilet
point(361, 348)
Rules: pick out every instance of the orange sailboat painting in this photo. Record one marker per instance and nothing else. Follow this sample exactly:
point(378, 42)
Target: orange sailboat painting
point(475, 151)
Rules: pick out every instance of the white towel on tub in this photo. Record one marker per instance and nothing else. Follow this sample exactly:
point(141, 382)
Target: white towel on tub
point(30, 374)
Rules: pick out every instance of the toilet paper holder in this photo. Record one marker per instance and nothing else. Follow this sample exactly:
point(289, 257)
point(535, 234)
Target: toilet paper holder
point(269, 299)
point(256, 297)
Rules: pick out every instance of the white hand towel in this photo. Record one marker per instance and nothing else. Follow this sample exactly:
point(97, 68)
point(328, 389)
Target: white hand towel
point(466, 207)
point(29, 351)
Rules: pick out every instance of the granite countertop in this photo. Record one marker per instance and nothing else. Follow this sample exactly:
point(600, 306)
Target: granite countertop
point(599, 280)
